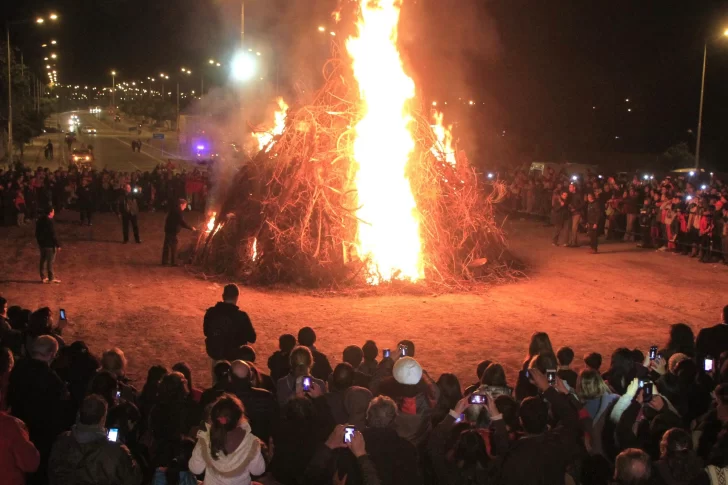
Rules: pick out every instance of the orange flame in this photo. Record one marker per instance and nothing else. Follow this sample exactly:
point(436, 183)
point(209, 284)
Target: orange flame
point(389, 230)
point(265, 137)
point(443, 146)
point(254, 255)
point(211, 222)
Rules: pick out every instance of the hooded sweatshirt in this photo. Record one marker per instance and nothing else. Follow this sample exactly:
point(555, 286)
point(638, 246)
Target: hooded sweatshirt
point(234, 468)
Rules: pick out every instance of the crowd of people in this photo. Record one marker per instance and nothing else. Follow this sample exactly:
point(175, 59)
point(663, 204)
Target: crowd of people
point(681, 213)
point(25, 193)
point(70, 415)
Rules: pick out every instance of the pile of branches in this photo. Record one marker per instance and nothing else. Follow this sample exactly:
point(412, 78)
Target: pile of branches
point(290, 214)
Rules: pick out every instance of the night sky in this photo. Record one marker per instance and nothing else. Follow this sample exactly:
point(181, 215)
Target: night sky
point(537, 69)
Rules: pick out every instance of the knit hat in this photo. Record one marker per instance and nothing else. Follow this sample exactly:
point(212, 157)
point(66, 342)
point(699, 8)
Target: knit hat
point(407, 371)
point(675, 360)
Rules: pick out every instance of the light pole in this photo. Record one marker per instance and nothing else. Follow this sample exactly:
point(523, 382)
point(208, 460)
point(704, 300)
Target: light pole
point(702, 97)
point(188, 72)
point(113, 91)
point(163, 76)
point(38, 20)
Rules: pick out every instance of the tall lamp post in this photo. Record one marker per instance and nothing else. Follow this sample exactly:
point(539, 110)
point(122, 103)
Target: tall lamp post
point(188, 72)
point(702, 97)
point(39, 20)
point(113, 90)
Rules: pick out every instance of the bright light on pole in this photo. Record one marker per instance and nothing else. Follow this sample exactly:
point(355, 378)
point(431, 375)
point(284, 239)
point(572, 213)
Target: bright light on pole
point(53, 16)
point(39, 20)
point(53, 42)
point(243, 67)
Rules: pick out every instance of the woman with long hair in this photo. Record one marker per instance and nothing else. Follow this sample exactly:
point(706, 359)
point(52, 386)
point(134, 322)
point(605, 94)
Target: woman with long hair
point(450, 394)
point(540, 343)
point(301, 360)
point(227, 451)
point(597, 398)
point(678, 463)
point(682, 340)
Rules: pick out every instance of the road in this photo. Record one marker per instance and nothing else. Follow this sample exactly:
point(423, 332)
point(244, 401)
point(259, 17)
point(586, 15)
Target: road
point(112, 147)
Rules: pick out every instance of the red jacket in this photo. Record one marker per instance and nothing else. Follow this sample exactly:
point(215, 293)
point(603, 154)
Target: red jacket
point(18, 455)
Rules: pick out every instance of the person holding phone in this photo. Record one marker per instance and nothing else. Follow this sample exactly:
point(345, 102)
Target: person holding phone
point(90, 453)
point(129, 208)
point(713, 341)
point(325, 458)
point(299, 382)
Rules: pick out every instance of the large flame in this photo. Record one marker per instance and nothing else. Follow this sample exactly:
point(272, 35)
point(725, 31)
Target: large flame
point(443, 147)
point(388, 232)
point(265, 137)
point(211, 222)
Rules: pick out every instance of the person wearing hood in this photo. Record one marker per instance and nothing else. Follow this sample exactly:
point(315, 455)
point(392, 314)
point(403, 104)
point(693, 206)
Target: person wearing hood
point(226, 327)
point(86, 455)
point(227, 451)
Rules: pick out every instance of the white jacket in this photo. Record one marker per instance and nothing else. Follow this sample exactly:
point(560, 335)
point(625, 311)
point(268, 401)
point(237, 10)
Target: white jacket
point(232, 469)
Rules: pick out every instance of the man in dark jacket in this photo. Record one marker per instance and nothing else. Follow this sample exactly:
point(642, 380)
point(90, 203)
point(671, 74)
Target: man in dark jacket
point(593, 217)
point(560, 217)
point(172, 225)
point(261, 406)
point(576, 205)
point(227, 328)
point(543, 455)
point(321, 367)
point(38, 397)
point(85, 201)
point(394, 457)
point(45, 234)
point(129, 213)
point(713, 341)
point(86, 455)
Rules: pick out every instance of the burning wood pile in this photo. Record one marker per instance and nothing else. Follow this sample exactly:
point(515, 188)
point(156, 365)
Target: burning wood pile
point(357, 187)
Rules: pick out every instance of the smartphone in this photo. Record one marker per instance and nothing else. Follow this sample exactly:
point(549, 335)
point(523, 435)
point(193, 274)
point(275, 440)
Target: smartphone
point(386, 353)
point(62, 312)
point(708, 365)
point(646, 386)
point(653, 352)
point(349, 433)
point(403, 351)
point(478, 399)
point(112, 434)
point(528, 374)
point(551, 376)
point(306, 383)
point(118, 394)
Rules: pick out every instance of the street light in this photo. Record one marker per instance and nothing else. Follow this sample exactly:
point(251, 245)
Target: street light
point(702, 95)
point(188, 72)
point(243, 67)
point(113, 90)
point(53, 42)
point(53, 56)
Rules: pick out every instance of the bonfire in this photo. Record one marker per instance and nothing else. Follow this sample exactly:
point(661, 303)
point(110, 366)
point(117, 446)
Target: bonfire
point(357, 186)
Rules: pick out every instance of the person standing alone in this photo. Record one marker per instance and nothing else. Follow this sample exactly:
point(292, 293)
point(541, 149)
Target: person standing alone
point(85, 202)
point(45, 234)
point(226, 327)
point(172, 225)
point(593, 217)
point(129, 213)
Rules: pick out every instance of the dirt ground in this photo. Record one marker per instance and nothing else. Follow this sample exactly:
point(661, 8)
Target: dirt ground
point(119, 295)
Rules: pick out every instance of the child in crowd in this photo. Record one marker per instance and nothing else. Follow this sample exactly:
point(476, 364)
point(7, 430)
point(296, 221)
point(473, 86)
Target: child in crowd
point(565, 356)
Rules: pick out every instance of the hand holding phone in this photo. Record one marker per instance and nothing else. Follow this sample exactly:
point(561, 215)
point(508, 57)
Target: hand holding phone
point(708, 364)
point(386, 353)
point(349, 434)
point(653, 352)
point(306, 383)
point(477, 399)
point(403, 351)
point(551, 376)
point(112, 434)
point(62, 314)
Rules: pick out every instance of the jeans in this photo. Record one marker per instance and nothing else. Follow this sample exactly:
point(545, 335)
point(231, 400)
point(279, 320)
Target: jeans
point(629, 230)
point(560, 227)
point(47, 256)
point(574, 234)
point(593, 237)
point(169, 248)
point(125, 220)
point(86, 216)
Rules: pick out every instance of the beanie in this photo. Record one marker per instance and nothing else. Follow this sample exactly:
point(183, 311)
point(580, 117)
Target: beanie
point(407, 371)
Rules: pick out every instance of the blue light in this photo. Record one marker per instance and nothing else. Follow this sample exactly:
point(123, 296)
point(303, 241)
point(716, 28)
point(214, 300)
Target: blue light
point(200, 147)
